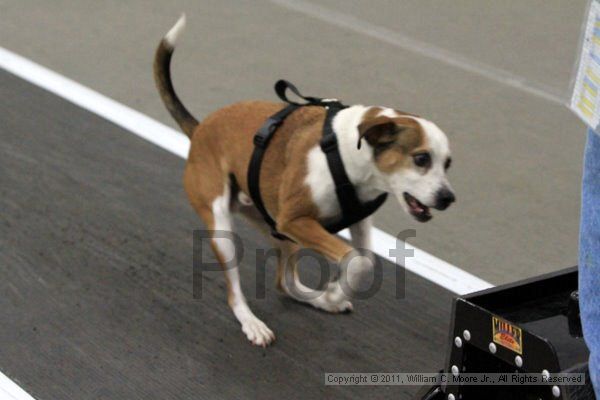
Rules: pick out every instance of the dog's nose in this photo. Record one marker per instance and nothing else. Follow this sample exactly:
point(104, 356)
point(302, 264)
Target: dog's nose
point(444, 198)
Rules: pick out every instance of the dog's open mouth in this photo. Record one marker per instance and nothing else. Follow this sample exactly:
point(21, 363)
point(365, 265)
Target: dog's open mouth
point(417, 209)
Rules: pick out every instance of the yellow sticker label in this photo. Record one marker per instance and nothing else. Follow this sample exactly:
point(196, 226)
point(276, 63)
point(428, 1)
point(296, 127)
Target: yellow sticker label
point(507, 335)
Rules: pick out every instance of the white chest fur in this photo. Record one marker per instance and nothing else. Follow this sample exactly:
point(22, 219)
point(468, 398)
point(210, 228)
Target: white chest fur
point(358, 163)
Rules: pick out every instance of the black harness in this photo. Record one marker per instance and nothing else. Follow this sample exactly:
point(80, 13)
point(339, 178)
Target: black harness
point(352, 209)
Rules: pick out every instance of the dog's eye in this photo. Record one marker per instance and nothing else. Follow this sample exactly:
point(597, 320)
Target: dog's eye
point(448, 163)
point(422, 160)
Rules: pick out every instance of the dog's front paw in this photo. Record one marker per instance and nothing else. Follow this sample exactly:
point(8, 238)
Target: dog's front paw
point(257, 332)
point(333, 299)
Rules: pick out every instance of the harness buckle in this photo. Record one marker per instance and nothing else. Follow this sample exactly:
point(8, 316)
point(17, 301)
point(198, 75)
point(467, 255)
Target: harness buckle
point(262, 137)
point(260, 141)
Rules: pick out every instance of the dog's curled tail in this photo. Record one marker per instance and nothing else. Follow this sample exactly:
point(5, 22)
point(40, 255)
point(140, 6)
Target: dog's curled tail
point(162, 78)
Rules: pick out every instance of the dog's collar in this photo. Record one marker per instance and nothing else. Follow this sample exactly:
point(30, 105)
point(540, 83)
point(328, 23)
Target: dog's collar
point(352, 208)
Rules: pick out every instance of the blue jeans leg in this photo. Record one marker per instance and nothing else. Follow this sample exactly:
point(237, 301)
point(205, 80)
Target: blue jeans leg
point(589, 255)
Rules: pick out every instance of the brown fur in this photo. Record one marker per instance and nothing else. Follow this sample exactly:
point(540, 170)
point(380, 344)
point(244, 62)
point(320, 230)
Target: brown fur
point(410, 141)
point(371, 113)
point(222, 145)
point(218, 160)
point(394, 139)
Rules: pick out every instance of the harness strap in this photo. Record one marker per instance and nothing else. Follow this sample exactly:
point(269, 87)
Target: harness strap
point(344, 189)
point(261, 141)
point(281, 86)
point(352, 209)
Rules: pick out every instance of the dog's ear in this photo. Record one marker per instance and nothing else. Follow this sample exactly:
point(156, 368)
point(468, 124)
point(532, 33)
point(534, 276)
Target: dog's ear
point(378, 131)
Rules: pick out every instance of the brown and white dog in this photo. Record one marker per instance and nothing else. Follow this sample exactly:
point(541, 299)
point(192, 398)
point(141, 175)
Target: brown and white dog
point(403, 154)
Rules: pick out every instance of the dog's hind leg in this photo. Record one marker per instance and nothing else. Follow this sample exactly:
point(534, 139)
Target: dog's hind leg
point(309, 233)
point(360, 263)
point(360, 234)
point(219, 219)
point(288, 281)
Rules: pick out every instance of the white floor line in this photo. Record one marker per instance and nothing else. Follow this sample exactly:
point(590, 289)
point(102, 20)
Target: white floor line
point(422, 263)
point(126, 117)
point(11, 391)
point(397, 39)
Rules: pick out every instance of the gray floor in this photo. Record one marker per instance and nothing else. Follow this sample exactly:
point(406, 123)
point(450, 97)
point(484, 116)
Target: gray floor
point(96, 281)
point(517, 155)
